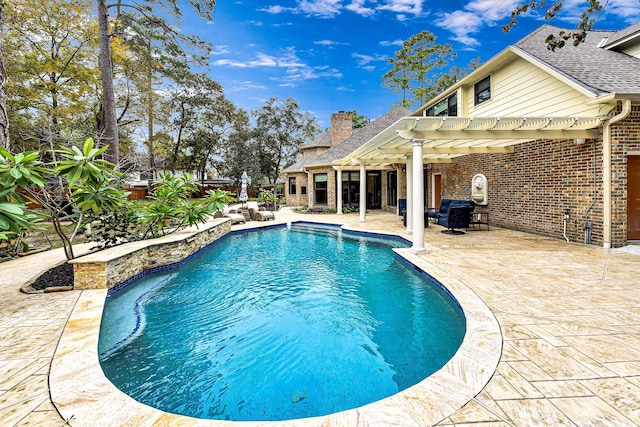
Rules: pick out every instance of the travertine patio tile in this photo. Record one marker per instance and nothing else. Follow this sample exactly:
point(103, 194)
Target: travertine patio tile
point(625, 369)
point(604, 348)
point(543, 333)
point(500, 389)
point(474, 412)
point(518, 382)
point(529, 370)
point(619, 393)
point(567, 388)
point(534, 412)
point(553, 360)
point(510, 354)
point(591, 411)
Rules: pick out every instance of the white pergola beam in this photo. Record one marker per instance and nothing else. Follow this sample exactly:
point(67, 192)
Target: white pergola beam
point(523, 135)
point(450, 150)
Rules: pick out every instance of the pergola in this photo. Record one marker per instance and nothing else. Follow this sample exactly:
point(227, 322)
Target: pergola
point(419, 140)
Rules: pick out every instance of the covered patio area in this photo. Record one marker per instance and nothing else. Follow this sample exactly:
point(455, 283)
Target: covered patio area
point(569, 315)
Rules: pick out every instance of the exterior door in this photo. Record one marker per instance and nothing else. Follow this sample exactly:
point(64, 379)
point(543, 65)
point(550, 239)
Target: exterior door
point(437, 191)
point(374, 190)
point(633, 198)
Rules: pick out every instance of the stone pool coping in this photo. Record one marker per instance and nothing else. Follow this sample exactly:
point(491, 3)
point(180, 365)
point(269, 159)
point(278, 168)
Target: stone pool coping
point(84, 396)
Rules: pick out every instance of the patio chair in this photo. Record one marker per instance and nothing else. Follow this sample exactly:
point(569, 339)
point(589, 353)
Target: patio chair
point(458, 216)
point(259, 213)
point(236, 218)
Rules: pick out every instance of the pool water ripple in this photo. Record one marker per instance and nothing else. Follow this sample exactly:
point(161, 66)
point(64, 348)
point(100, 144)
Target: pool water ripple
point(258, 328)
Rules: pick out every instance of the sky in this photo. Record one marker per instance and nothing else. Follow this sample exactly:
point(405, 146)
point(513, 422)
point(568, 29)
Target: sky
point(330, 55)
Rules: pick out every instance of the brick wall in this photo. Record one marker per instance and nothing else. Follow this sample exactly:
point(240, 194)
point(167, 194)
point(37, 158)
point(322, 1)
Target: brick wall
point(297, 199)
point(341, 127)
point(531, 188)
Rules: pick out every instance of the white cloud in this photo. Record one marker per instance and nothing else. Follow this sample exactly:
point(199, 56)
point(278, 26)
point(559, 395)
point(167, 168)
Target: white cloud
point(239, 86)
point(365, 59)
point(413, 7)
point(358, 7)
point(397, 42)
point(331, 43)
point(629, 10)
point(462, 24)
point(220, 50)
point(324, 8)
point(492, 10)
point(294, 68)
point(275, 9)
point(366, 8)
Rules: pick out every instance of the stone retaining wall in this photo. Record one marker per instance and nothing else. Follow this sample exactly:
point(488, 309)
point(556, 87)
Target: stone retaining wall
point(110, 267)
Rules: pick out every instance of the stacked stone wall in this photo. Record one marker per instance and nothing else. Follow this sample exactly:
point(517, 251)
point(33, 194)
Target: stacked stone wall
point(113, 266)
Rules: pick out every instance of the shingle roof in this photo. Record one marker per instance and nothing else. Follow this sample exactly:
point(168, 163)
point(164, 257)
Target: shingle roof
point(622, 34)
point(599, 70)
point(359, 137)
point(323, 140)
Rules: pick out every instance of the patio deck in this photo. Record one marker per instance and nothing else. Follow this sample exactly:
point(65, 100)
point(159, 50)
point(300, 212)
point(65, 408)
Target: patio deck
point(569, 316)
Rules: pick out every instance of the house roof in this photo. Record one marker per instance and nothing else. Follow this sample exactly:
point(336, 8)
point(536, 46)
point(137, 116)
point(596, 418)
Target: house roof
point(323, 140)
point(601, 74)
point(623, 36)
point(358, 138)
point(599, 70)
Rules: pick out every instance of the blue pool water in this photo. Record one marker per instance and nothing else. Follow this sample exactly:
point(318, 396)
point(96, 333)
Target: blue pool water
point(279, 324)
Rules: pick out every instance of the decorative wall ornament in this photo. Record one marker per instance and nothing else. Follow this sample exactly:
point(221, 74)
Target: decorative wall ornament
point(479, 189)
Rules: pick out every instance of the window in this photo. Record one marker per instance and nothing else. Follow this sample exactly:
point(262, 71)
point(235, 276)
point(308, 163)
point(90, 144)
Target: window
point(303, 189)
point(482, 90)
point(292, 185)
point(350, 188)
point(446, 107)
point(320, 188)
point(392, 188)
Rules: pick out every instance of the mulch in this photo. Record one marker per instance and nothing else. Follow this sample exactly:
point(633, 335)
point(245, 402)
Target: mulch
point(55, 278)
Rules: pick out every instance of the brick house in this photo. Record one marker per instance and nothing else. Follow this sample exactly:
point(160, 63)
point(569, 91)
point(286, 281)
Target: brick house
point(554, 135)
point(314, 181)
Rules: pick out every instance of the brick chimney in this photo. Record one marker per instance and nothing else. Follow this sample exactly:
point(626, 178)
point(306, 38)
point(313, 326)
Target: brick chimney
point(341, 127)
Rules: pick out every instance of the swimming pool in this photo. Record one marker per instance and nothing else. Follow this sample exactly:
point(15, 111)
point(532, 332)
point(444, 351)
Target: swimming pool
point(288, 331)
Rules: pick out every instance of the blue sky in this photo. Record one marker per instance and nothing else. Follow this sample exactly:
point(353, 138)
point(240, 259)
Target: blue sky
point(330, 55)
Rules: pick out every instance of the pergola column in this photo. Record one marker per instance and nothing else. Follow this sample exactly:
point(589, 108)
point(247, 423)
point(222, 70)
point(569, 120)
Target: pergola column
point(418, 198)
point(339, 186)
point(409, 208)
point(363, 193)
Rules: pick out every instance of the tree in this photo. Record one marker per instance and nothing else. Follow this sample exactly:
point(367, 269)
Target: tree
point(240, 150)
point(191, 100)
point(587, 20)
point(4, 118)
point(358, 120)
point(280, 129)
point(52, 68)
point(144, 14)
point(413, 65)
point(445, 79)
point(78, 183)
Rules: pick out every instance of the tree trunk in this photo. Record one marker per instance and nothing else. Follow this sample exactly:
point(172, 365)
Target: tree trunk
point(4, 119)
point(109, 132)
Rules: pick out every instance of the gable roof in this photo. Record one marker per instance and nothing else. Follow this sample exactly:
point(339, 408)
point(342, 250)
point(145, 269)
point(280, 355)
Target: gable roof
point(622, 36)
point(358, 138)
point(600, 71)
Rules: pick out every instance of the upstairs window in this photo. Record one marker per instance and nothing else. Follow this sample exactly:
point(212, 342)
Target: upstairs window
point(446, 107)
point(482, 90)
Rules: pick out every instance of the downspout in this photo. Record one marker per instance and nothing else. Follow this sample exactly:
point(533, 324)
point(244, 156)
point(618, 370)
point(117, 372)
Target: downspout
point(606, 170)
